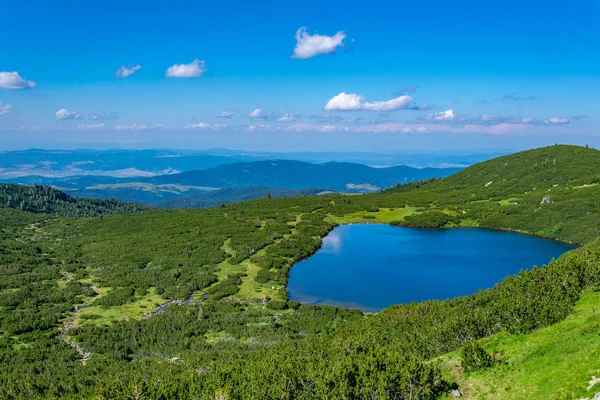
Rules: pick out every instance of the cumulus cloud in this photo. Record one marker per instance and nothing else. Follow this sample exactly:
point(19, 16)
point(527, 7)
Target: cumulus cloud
point(447, 115)
point(125, 72)
point(138, 127)
point(201, 125)
point(308, 46)
point(527, 120)
point(5, 108)
point(344, 102)
point(353, 102)
point(258, 114)
point(287, 118)
point(557, 121)
point(193, 70)
point(65, 114)
point(226, 114)
point(12, 80)
point(390, 105)
point(89, 127)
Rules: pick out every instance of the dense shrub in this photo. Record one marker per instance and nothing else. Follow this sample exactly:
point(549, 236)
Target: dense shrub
point(474, 357)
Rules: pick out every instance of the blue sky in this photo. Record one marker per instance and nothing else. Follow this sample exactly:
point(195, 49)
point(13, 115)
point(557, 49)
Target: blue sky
point(360, 76)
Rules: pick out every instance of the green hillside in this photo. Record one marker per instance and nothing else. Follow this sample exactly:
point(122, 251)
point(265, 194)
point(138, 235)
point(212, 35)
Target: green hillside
point(192, 303)
point(47, 200)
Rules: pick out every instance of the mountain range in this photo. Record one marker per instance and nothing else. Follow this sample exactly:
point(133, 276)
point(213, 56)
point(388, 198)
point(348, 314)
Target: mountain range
point(197, 186)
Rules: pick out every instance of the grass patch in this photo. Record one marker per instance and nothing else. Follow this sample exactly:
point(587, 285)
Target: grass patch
point(383, 216)
point(106, 316)
point(556, 362)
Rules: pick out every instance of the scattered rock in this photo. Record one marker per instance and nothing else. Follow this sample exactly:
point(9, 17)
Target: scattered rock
point(596, 397)
point(592, 382)
point(546, 200)
point(456, 393)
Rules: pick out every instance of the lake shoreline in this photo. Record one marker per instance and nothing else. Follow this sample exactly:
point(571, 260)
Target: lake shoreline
point(452, 265)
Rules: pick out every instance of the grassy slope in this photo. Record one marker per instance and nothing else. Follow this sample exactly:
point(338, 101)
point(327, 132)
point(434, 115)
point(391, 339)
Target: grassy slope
point(556, 362)
point(521, 172)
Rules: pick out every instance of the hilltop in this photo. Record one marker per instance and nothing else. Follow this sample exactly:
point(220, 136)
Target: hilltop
point(542, 168)
point(549, 192)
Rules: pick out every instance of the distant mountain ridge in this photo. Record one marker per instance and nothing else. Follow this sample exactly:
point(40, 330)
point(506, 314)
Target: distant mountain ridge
point(124, 163)
point(274, 174)
point(339, 176)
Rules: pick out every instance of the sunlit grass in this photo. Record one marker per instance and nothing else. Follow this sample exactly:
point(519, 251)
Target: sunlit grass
point(99, 315)
point(556, 362)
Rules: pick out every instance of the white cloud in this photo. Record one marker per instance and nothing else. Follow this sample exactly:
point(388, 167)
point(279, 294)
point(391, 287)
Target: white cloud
point(557, 121)
point(287, 118)
point(12, 80)
point(390, 105)
point(89, 127)
point(311, 127)
point(201, 125)
point(125, 72)
point(308, 46)
point(65, 114)
point(227, 114)
point(257, 114)
point(5, 108)
point(447, 115)
point(263, 127)
point(219, 126)
point(103, 117)
point(345, 102)
point(352, 102)
point(193, 70)
point(137, 127)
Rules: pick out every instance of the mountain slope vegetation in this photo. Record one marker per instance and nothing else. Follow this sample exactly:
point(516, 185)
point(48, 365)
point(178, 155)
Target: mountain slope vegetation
point(44, 199)
point(192, 303)
point(225, 196)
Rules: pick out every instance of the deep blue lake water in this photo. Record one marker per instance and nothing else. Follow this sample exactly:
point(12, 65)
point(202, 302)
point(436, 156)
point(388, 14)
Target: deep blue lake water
point(374, 266)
